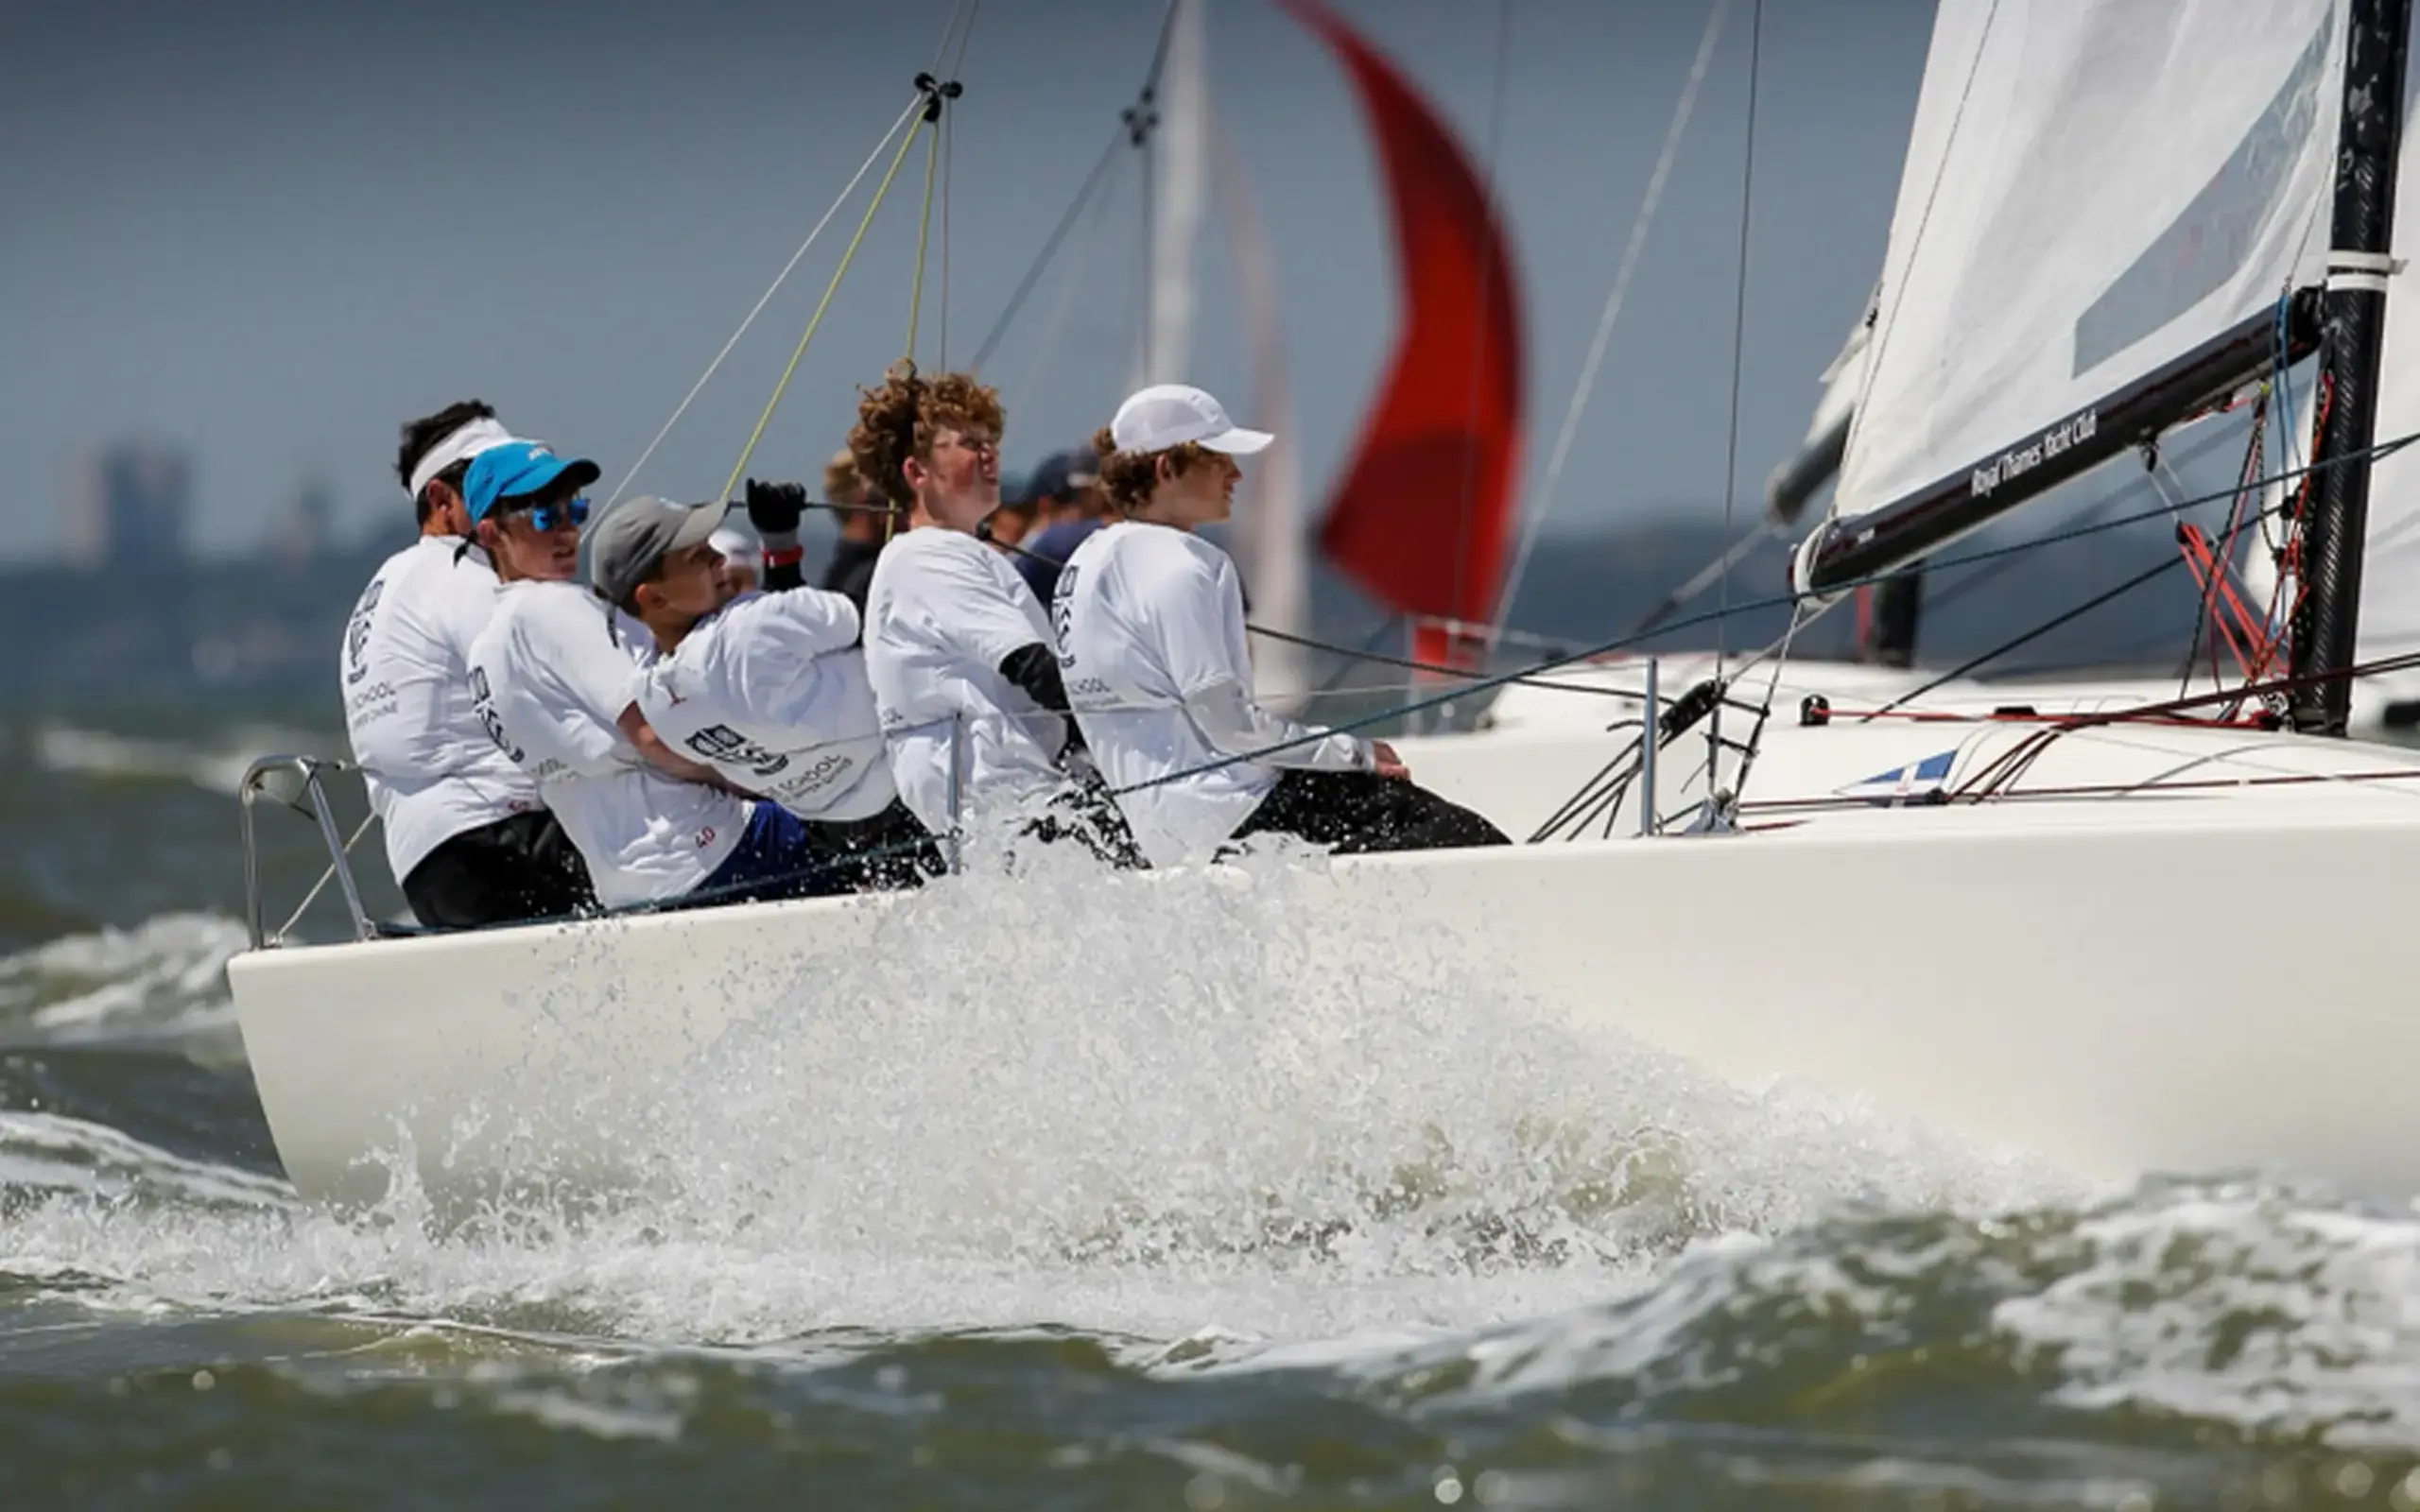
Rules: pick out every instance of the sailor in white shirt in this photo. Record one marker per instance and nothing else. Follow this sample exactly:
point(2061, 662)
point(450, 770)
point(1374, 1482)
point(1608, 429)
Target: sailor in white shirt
point(466, 836)
point(1150, 625)
point(959, 652)
point(550, 679)
point(767, 689)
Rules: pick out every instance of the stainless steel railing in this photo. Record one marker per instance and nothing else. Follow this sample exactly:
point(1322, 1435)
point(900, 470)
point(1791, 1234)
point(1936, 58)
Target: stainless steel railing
point(309, 769)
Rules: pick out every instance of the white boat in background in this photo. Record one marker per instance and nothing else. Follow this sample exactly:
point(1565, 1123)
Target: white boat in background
point(2117, 945)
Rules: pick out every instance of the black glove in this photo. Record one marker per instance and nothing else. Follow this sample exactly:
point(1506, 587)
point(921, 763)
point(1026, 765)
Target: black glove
point(774, 509)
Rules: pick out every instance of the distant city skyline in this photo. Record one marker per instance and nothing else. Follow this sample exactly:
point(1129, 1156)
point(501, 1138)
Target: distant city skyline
point(269, 232)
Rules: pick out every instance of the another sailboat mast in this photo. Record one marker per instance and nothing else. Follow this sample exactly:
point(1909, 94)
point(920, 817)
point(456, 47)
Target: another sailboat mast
point(2377, 36)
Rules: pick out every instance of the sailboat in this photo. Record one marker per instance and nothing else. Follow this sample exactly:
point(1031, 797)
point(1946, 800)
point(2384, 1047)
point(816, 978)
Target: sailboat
point(2112, 213)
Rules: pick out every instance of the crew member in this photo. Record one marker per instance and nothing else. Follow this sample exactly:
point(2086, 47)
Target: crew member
point(551, 676)
point(1150, 623)
point(466, 836)
point(1067, 488)
point(768, 689)
point(959, 650)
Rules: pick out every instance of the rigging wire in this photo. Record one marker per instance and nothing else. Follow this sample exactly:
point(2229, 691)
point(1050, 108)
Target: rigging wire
point(711, 367)
point(2164, 564)
point(1793, 601)
point(1533, 516)
point(1486, 288)
point(1118, 139)
point(1885, 324)
point(822, 305)
point(923, 231)
point(1738, 342)
point(1045, 346)
point(1108, 158)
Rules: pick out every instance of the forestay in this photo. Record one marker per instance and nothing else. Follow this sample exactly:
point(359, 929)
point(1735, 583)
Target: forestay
point(2092, 190)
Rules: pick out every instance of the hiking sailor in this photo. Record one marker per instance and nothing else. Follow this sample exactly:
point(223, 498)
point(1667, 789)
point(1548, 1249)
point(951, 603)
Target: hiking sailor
point(959, 652)
point(768, 689)
point(1150, 623)
point(552, 674)
point(466, 836)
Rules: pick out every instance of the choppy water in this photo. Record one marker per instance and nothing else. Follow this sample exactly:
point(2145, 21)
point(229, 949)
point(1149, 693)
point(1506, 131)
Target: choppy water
point(1168, 1237)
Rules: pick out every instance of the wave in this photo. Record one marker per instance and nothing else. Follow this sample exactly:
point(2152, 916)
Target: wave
point(215, 764)
point(164, 981)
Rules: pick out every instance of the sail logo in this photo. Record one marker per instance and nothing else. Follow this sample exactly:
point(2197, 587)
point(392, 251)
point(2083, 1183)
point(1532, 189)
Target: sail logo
point(2015, 463)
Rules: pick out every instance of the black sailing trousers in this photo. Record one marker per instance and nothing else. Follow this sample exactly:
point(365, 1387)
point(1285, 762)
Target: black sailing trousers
point(1362, 811)
point(520, 867)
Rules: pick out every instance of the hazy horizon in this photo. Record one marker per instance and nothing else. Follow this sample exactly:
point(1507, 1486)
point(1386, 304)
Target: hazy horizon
point(270, 232)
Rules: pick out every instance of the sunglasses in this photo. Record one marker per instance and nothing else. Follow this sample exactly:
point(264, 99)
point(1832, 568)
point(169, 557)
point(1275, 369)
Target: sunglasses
point(554, 514)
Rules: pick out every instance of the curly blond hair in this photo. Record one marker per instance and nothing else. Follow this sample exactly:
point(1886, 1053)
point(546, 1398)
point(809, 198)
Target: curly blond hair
point(1127, 478)
point(841, 484)
point(904, 417)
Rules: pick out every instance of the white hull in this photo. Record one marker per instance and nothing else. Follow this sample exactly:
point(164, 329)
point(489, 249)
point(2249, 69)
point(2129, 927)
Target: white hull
point(2208, 975)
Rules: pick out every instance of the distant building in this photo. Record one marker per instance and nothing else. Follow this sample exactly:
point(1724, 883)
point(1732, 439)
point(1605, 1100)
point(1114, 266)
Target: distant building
point(303, 532)
point(129, 505)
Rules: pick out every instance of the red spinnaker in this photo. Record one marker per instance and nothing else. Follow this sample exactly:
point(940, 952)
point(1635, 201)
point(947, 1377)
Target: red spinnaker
point(1419, 520)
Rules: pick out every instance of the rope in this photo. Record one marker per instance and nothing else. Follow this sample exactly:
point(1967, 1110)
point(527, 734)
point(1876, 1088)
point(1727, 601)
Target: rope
point(923, 234)
point(715, 366)
point(823, 304)
point(1534, 516)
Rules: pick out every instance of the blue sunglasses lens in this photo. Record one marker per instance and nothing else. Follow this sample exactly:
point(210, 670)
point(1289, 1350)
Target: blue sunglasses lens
point(552, 516)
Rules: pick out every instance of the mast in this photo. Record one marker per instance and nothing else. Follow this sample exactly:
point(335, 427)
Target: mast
point(1176, 162)
point(2375, 38)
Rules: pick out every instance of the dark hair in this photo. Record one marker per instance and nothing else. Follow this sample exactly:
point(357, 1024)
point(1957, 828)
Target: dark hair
point(904, 417)
point(422, 434)
point(1127, 478)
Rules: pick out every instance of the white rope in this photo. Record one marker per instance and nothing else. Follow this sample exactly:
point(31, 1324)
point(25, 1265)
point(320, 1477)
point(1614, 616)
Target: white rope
point(1535, 515)
point(872, 158)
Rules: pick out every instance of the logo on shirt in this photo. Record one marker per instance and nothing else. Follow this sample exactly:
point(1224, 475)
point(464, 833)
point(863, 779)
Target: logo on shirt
point(1062, 613)
point(483, 703)
point(356, 631)
point(720, 743)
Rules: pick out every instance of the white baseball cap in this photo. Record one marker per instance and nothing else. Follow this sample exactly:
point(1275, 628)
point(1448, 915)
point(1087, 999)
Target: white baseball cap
point(1168, 414)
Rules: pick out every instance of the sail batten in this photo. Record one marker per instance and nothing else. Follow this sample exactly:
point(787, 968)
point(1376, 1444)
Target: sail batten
point(2104, 202)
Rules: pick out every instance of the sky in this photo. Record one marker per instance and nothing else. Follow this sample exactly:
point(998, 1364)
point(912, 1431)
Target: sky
point(269, 232)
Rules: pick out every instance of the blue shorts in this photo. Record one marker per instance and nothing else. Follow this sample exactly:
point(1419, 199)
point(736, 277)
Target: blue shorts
point(777, 857)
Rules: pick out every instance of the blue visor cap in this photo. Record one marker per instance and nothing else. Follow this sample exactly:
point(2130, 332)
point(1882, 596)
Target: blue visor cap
point(516, 469)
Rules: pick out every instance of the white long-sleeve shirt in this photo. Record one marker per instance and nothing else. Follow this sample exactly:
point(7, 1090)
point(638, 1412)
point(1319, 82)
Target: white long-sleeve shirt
point(771, 691)
point(943, 612)
point(430, 768)
point(1151, 626)
point(550, 676)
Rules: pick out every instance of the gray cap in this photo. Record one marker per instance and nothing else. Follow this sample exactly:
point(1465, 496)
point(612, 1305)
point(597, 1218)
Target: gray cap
point(636, 534)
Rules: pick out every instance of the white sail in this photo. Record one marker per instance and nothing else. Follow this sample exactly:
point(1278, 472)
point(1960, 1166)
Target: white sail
point(2092, 188)
point(1270, 527)
point(1179, 188)
point(2389, 624)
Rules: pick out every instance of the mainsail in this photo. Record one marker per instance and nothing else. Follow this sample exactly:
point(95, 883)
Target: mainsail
point(1419, 520)
point(2104, 208)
